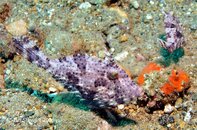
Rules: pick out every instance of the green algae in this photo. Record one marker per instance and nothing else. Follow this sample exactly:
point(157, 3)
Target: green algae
point(169, 58)
point(177, 54)
point(72, 99)
point(16, 85)
point(162, 37)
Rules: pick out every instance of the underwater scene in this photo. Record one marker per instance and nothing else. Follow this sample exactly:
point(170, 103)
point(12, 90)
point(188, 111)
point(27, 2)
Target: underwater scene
point(98, 64)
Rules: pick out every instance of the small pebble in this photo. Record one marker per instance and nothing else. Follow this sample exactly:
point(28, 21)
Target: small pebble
point(50, 121)
point(124, 38)
point(171, 119)
point(101, 54)
point(168, 108)
point(30, 123)
point(193, 26)
point(164, 120)
point(168, 125)
point(29, 113)
point(17, 28)
point(121, 56)
point(194, 97)
point(7, 71)
point(188, 115)
point(60, 88)
point(178, 103)
point(135, 4)
point(52, 90)
point(140, 57)
point(50, 115)
point(84, 5)
point(120, 106)
point(152, 2)
point(149, 17)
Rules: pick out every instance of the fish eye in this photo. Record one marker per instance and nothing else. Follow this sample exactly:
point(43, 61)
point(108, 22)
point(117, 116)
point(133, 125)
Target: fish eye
point(112, 75)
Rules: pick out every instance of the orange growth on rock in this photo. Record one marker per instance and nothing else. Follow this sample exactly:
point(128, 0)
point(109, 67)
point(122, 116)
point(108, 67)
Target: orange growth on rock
point(167, 88)
point(176, 82)
point(147, 69)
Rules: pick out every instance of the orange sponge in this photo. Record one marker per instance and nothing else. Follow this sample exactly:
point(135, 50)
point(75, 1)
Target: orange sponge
point(147, 69)
point(176, 82)
point(167, 89)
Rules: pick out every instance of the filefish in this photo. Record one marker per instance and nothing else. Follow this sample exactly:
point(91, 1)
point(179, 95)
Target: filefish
point(101, 82)
point(174, 33)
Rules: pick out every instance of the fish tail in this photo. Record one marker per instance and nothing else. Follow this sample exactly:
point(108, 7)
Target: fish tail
point(27, 48)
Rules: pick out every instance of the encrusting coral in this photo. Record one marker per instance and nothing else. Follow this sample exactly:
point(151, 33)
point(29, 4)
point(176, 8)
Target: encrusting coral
point(148, 69)
point(162, 86)
point(176, 82)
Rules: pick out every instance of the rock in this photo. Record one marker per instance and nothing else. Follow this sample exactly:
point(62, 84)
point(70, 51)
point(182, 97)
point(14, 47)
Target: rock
point(120, 106)
point(194, 97)
point(104, 125)
point(101, 54)
point(29, 113)
point(124, 38)
point(188, 116)
point(168, 125)
point(52, 90)
point(178, 103)
point(140, 57)
point(97, 2)
point(165, 120)
point(57, 41)
point(17, 28)
point(84, 5)
point(152, 2)
point(50, 121)
point(7, 71)
point(168, 108)
point(193, 25)
point(2, 82)
point(149, 17)
point(135, 4)
point(60, 88)
point(121, 56)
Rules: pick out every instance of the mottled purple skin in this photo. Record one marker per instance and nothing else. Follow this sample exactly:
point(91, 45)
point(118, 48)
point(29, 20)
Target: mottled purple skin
point(174, 35)
point(101, 82)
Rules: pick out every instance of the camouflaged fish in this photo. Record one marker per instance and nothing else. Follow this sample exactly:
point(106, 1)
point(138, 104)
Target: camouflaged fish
point(100, 82)
point(174, 35)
